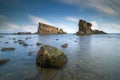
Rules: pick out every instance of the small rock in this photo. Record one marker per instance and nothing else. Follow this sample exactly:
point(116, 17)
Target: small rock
point(31, 45)
point(50, 57)
point(27, 38)
point(56, 39)
point(6, 42)
point(7, 49)
point(64, 45)
point(25, 44)
point(15, 41)
point(1, 36)
point(2, 61)
point(21, 42)
point(75, 41)
point(38, 44)
point(30, 53)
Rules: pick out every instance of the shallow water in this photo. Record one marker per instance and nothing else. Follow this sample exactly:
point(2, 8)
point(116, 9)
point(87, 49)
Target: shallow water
point(93, 57)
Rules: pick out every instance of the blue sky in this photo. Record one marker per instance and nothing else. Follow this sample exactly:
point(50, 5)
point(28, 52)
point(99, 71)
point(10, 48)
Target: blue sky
point(24, 15)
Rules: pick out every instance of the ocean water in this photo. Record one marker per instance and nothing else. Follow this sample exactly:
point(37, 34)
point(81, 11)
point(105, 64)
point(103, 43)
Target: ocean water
point(93, 57)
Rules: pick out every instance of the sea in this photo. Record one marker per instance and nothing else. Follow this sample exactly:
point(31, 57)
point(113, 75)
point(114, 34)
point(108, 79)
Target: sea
point(90, 57)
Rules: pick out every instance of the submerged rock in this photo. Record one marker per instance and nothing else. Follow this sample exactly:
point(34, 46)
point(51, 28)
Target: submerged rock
point(8, 49)
point(1, 36)
point(64, 45)
point(6, 42)
point(21, 42)
point(2, 61)
point(25, 44)
point(38, 43)
point(50, 57)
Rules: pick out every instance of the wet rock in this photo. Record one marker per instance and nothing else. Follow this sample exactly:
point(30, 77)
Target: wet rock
point(15, 41)
point(27, 38)
point(56, 39)
point(2, 61)
point(31, 53)
point(75, 41)
point(22, 33)
point(64, 45)
point(6, 42)
point(8, 49)
point(50, 57)
point(25, 44)
point(38, 44)
point(21, 42)
point(1, 36)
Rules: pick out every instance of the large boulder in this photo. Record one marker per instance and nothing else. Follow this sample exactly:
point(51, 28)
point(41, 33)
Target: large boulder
point(50, 57)
point(85, 28)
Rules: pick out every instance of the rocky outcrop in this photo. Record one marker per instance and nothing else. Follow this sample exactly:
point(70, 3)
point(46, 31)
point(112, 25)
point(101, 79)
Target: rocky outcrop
point(3, 61)
point(85, 28)
point(48, 29)
point(21, 33)
point(50, 57)
point(8, 49)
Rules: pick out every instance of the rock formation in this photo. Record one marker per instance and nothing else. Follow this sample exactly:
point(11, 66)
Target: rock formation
point(50, 57)
point(48, 29)
point(85, 28)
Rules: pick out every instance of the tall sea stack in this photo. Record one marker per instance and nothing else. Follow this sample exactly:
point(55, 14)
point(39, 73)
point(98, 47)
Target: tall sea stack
point(85, 28)
point(48, 29)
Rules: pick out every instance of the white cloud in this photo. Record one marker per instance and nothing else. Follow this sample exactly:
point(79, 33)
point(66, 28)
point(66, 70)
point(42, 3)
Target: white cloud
point(111, 27)
point(11, 25)
point(110, 7)
point(73, 19)
point(67, 28)
point(94, 24)
point(37, 19)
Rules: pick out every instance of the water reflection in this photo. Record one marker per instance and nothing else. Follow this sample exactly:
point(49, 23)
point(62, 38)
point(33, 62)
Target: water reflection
point(89, 58)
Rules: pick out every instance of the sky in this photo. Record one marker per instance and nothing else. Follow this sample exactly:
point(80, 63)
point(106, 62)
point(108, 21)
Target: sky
point(24, 15)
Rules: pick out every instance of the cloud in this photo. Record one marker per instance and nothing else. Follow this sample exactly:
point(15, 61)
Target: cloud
point(8, 26)
point(3, 18)
point(73, 19)
point(37, 19)
point(94, 25)
point(12, 27)
point(110, 7)
point(111, 27)
point(67, 28)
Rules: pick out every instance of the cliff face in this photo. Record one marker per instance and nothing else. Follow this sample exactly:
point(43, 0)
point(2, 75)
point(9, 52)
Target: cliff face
point(47, 29)
point(85, 28)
